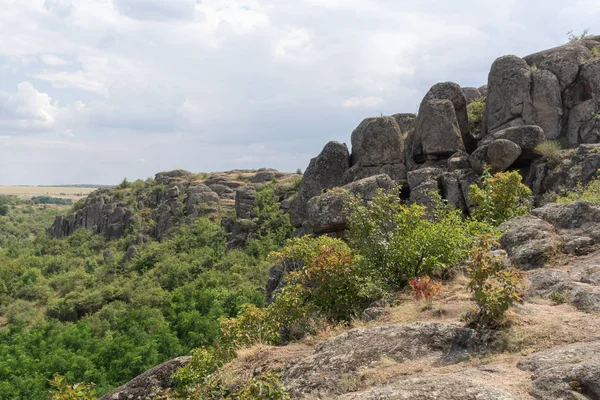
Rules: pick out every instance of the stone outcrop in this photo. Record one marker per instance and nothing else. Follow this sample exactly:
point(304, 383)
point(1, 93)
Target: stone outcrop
point(150, 384)
point(344, 355)
point(323, 172)
point(567, 372)
point(378, 147)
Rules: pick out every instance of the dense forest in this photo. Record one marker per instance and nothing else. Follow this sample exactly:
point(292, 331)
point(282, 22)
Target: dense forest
point(82, 308)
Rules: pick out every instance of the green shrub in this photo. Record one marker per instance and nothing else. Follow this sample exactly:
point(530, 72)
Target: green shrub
point(589, 193)
point(495, 287)
point(204, 362)
point(574, 38)
point(559, 298)
point(400, 242)
point(500, 198)
point(4, 209)
point(63, 390)
point(595, 52)
point(253, 325)
point(475, 112)
point(330, 280)
point(550, 149)
point(266, 387)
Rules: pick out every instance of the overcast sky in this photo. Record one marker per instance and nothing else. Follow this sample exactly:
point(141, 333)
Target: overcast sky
point(97, 90)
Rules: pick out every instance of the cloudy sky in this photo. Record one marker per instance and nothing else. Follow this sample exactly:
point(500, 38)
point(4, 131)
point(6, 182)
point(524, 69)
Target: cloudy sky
point(97, 90)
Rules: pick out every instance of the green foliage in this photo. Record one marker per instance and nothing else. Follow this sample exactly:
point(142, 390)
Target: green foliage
point(51, 200)
point(500, 198)
point(274, 226)
point(550, 149)
point(574, 38)
point(475, 112)
point(559, 298)
point(4, 209)
point(400, 242)
point(62, 390)
point(266, 387)
point(495, 287)
point(330, 280)
point(203, 363)
point(595, 52)
point(253, 325)
point(589, 193)
point(124, 184)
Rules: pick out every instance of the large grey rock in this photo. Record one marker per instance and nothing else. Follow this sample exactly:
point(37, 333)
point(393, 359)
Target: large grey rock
point(583, 125)
point(502, 154)
point(438, 129)
point(577, 215)
point(563, 61)
point(326, 213)
point(150, 384)
point(448, 387)
point(101, 214)
point(547, 106)
point(471, 94)
point(166, 176)
point(575, 287)
point(201, 200)
point(453, 92)
point(509, 94)
point(529, 241)
point(406, 122)
point(379, 142)
point(345, 355)
point(526, 136)
point(479, 158)
point(395, 171)
point(570, 372)
point(245, 198)
point(323, 172)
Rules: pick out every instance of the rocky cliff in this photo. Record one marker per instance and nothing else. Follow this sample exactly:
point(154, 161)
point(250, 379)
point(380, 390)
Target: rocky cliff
point(550, 95)
point(172, 197)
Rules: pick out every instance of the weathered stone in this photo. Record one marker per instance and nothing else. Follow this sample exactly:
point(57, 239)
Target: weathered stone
point(422, 194)
point(346, 354)
point(201, 200)
point(326, 212)
point(244, 202)
point(471, 94)
point(438, 130)
point(458, 160)
point(584, 124)
point(241, 231)
point(452, 191)
point(406, 122)
point(417, 177)
point(577, 215)
point(565, 372)
point(324, 171)
point(453, 92)
point(546, 110)
point(509, 94)
point(483, 90)
point(479, 159)
point(502, 154)
point(150, 384)
point(526, 136)
point(377, 141)
point(563, 61)
point(448, 387)
point(529, 241)
point(166, 176)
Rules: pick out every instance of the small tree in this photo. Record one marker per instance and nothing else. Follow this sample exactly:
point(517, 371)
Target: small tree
point(495, 287)
point(401, 242)
point(501, 197)
point(63, 390)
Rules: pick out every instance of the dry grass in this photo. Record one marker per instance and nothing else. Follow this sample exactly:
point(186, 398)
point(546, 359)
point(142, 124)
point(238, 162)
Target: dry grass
point(27, 192)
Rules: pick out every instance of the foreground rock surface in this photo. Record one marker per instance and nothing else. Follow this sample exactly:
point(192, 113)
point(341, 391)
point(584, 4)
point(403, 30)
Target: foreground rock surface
point(150, 384)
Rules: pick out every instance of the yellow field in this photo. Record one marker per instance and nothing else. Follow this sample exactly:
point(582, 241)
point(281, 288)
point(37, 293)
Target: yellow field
point(27, 192)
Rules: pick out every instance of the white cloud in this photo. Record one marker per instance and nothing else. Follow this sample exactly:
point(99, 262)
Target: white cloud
point(363, 102)
point(294, 45)
point(52, 60)
point(62, 8)
point(27, 108)
point(156, 9)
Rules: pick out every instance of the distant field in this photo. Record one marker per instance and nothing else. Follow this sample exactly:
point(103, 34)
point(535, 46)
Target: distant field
point(27, 192)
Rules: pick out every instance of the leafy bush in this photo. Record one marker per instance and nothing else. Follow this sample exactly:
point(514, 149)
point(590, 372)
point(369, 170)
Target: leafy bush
point(51, 200)
point(589, 193)
point(266, 387)
point(500, 198)
point(399, 242)
point(203, 363)
point(574, 38)
point(550, 149)
point(253, 325)
point(425, 288)
point(274, 226)
point(62, 390)
point(475, 112)
point(495, 287)
point(330, 281)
